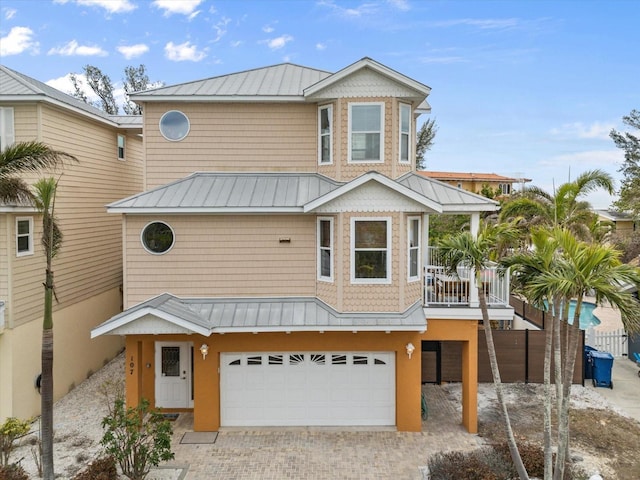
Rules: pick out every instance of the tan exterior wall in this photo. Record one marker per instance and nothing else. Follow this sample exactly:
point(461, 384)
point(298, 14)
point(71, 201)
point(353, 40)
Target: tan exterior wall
point(140, 380)
point(75, 355)
point(232, 137)
point(221, 256)
point(89, 262)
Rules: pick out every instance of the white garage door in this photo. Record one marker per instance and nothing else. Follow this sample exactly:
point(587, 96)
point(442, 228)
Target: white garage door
point(324, 388)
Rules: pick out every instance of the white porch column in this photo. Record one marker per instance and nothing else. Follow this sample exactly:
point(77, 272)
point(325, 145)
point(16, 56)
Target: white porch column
point(474, 302)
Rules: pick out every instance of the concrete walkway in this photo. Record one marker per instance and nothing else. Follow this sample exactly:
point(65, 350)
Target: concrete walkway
point(625, 394)
point(323, 453)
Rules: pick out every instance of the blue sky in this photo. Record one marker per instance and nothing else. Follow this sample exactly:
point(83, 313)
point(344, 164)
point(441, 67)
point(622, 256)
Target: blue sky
point(519, 88)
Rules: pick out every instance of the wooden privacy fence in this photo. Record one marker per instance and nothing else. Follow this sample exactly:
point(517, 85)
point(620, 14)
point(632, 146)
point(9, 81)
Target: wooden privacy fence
point(520, 356)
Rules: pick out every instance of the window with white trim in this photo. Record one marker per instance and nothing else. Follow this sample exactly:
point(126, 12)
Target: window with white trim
point(371, 250)
point(7, 132)
point(413, 248)
point(325, 137)
point(121, 144)
point(505, 188)
point(366, 132)
point(405, 132)
point(325, 248)
point(24, 236)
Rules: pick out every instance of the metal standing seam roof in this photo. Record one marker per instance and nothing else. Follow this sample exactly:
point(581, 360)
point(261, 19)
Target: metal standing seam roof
point(277, 314)
point(212, 192)
point(283, 80)
point(15, 86)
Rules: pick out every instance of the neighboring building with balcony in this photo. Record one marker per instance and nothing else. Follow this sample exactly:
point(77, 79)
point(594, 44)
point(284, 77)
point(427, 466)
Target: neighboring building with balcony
point(88, 269)
point(476, 182)
point(274, 265)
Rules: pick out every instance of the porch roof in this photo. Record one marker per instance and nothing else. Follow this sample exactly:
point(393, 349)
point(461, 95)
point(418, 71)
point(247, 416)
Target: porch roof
point(167, 313)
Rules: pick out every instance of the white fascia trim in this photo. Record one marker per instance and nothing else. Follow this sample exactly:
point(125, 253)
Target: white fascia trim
point(133, 316)
point(198, 210)
point(53, 101)
point(466, 313)
point(470, 208)
point(323, 328)
point(12, 209)
point(401, 189)
point(218, 98)
point(373, 65)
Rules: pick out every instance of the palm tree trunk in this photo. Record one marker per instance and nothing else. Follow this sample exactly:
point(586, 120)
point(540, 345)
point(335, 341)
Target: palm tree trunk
point(573, 339)
point(46, 389)
point(548, 349)
point(495, 371)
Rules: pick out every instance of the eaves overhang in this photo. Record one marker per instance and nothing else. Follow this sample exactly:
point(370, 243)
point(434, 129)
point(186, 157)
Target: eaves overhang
point(202, 210)
point(219, 98)
point(373, 177)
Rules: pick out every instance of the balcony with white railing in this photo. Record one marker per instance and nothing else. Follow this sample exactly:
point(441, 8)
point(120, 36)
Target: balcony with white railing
point(444, 288)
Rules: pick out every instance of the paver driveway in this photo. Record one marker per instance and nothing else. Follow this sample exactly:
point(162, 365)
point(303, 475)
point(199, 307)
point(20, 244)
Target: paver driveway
point(324, 454)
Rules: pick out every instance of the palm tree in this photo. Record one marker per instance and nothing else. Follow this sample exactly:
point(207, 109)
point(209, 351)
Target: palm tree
point(44, 198)
point(563, 208)
point(476, 253)
point(580, 269)
point(21, 158)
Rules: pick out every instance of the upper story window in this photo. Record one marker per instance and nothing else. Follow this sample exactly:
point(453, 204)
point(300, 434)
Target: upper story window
point(505, 188)
point(121, 143)
point(405, 132)
point(157, 238)
point(7, 132)
point(371, 250)
point(413, 248)
point(174, 125)
point(366, 132)
point(325, 249)
point(24, 236)
point(325, 137)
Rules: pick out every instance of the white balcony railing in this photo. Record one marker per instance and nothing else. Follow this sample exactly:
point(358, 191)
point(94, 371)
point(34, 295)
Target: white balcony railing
point(445, 288)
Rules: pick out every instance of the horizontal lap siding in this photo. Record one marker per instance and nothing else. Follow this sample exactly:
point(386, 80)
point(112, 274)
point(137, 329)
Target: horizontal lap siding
point(232, 137)
point(90, 261)
point(222, 256)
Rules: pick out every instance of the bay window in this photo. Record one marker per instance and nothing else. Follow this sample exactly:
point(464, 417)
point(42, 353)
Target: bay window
point(366, 132)
point(325, 140)
point(371, 250)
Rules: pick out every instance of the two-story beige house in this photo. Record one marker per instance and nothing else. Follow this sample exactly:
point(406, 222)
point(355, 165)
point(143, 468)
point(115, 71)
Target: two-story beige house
point(88, 269)
point(274, 264)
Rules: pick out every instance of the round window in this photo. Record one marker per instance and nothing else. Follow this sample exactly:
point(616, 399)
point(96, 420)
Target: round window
point(157, 237)
point(174, 125)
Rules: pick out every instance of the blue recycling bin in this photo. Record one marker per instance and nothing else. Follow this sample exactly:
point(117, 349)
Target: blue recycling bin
point(602, 365)
point(588, 364)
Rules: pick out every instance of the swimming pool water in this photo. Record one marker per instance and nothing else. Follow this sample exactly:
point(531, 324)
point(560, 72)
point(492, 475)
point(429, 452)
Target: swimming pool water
point(587, 318)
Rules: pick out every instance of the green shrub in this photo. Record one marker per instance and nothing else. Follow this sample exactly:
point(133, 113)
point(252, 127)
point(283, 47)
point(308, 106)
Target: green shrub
point(13, 472)
point(137, 437)
point(12, 429)
point(101, 469)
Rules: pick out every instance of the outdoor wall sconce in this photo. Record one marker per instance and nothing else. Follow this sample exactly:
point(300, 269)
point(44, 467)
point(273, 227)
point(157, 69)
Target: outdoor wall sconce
point(410, 349)
point(204, 350)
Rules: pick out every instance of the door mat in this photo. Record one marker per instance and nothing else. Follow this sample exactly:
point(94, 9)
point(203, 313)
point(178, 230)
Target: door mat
point(199, 437)
point(172, 417)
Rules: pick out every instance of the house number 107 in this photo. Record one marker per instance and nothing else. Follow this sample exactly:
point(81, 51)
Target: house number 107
point(131, 365)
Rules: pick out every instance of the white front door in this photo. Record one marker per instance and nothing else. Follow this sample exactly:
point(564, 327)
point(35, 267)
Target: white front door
point(173, 375)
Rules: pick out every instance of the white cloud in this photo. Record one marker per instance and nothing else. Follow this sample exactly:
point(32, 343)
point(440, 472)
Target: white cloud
point(321, 46)
point(443, 60)
point(65, 85)
point(9, 13)
point(73, 48)
point(400, 4)
point(19, 39)
point(237, 43)
point(267, 29)
point(112, 6)
point(585, 160)
point(359, 11)
point(182, 7)
point(133, 51)
point(278, 42)
point(220, 28)
point(484, 24)
point(184, 51)
point(596, 130)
